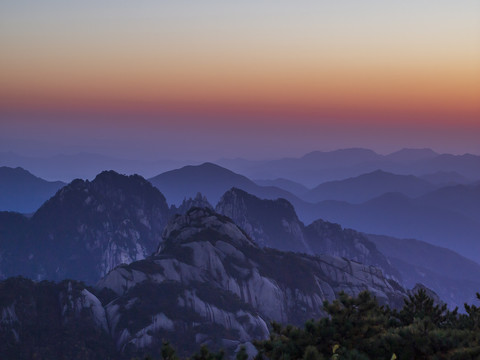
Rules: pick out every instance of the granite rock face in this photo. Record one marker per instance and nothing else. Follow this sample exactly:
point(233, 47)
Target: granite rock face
point(274, 224)
point(207, 283)
point(270, 223)
point(198, 201)
point(45, 320)
point(210, 279)
point(85, 230)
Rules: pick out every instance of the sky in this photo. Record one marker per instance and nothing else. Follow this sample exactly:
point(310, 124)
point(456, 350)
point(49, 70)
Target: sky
point(256, 79)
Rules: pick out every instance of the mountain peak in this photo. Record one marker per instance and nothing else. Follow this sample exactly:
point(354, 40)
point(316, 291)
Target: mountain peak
point(22, 191)
point(109, 185)
point(203, 224)
point(210, 179)
point(350, 152)
point(111, 176)
point(408, 155)
point(235, 193)
point(270, 223)
point(386, 175)
point(16, 170)
point(210, 165)
point(107, 174)
point(97, 225)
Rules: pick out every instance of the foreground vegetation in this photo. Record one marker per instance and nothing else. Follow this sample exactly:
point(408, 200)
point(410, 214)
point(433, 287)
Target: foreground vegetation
point(359, 328)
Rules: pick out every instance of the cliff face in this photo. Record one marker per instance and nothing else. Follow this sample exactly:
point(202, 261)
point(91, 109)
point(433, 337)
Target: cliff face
point(210, 279)
point(329, 238)
point(87, 229)
point(270, 223)
point(274, 224)
point(52, 321)
point(208, 283)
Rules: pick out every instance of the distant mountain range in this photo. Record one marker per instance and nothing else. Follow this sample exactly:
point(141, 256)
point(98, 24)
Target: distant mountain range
point(432, 217)
point(285, 184)
point(67, 167)
point(212, 181)
point(85, 230)
point(309, 170)
point(274, 224)
point(448, 216)
point(24, 192)
point(445, 178)
point(411, 155)
point(89, 228)
point(228, 255)
point(463, 199)
point(368, 186)
point(316, 167)
point(450, 275)
point(207, 283)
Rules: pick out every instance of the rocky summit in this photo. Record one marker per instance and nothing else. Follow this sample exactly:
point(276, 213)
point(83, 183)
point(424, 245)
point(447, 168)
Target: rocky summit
point(210, 283)
point(274, 224)
point(85, 230)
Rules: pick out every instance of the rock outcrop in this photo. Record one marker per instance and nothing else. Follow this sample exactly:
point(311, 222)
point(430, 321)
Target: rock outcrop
point(198, 201)
point(208, 283)
point(270, 223)
point(274, 224)
point(52, 321)
point(87, 229)
point(210, 279)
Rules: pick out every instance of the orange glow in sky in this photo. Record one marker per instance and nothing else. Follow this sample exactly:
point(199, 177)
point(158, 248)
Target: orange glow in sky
point(383, 62)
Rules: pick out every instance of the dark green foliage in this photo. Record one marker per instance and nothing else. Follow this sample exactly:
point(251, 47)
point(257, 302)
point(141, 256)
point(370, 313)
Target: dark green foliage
point(168, 352)
point(205, 354)
point(355, 328)
point(358, 328)
point(36, 329)
point(311, 353)
point(420, 306)
point(242, 354)
point(472, 321)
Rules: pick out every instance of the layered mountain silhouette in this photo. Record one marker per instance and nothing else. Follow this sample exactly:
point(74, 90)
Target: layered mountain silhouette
point(229, 255)
point(430, 217)
point(208, 283)
point(90, 227)
point(411, 155)
point(212, 181)
point(448, 216)
point(285, 184)
point(209, 179)
point(463, 199)
point(24, 192)
point(274, 224)
point(453, 277)
point(317, 167)
point(369, 186)
point(85, 230)
point(446, 178)
point(433, 217)
point(310, 169)
point(67, 167)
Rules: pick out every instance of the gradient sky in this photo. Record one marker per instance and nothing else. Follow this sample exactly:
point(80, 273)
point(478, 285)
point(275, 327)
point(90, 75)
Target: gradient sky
point(205, 79)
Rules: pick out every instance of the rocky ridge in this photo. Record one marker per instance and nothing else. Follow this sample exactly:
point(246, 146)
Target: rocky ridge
point(274, 224)
point(87, 229)
point(210, 279)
